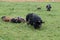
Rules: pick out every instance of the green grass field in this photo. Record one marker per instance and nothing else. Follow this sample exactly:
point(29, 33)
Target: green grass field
point(50, 30)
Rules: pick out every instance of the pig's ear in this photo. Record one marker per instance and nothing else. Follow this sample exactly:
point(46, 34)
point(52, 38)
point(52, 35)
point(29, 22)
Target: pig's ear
point(43, 22)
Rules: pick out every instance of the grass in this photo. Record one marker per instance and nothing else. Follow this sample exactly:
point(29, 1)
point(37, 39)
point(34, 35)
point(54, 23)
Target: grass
point(12, 31)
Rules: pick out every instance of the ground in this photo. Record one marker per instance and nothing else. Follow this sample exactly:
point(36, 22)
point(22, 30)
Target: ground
point(30, 0)
point(50, 30)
